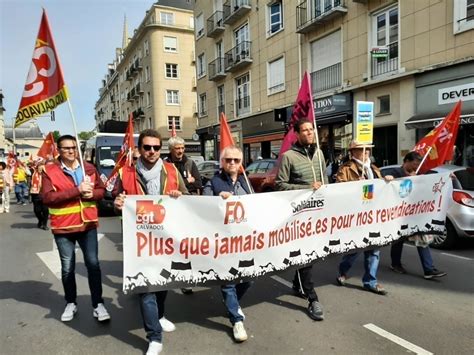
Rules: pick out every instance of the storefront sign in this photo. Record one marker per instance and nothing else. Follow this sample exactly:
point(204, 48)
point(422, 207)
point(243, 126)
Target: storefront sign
point(365, 121)
point(379, 52)
point(455, 93)
point(334, 104)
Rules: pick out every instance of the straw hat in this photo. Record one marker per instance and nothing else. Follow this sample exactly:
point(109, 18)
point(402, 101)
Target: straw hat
point(357, 145)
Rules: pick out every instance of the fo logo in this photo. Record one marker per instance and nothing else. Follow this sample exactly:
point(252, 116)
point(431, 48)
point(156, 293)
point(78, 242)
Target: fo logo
point(367, 192)
point(234, 212)
point(149, 212)
point(406, 186)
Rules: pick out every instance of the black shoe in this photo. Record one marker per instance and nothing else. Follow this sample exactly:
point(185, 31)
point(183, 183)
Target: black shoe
point(39, 225)
point(378, 289)
point(187, 291)
point(341, 280)
point(298, 292)
point(45, 227)
point(315, 311)
point(434, 273)
point(398, 269)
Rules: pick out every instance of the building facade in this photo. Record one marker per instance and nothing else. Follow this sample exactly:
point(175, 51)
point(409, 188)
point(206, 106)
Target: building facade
point(153, 76)
point(252, 57)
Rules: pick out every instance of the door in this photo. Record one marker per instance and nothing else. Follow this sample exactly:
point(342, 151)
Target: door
point(386, 145)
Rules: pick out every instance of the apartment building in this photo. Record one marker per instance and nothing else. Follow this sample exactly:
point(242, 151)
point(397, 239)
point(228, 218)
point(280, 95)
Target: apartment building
point(153, 76)
point(404, 56)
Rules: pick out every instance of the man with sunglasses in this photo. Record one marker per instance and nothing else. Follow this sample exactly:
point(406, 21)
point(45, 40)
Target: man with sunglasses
point(72, 201)
point(155, 177)
point(300, 168)
point(230, 182)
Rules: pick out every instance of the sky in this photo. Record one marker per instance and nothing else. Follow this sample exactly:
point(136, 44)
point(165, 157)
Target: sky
point(85, 34)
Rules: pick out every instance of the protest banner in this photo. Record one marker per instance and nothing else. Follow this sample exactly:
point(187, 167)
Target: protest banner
point(201, 240)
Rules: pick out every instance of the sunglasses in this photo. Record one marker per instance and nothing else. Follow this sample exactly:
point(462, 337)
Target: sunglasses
point(230, 160)
point(149, 147)
point(68, 148)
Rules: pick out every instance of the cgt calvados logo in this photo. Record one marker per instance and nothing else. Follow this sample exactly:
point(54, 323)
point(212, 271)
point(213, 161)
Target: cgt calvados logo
point(150, 214)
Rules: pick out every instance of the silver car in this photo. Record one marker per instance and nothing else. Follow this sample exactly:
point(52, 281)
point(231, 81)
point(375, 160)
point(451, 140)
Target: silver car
point(460, 215)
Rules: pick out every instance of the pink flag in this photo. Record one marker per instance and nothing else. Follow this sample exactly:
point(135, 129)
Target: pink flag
point(303, 108)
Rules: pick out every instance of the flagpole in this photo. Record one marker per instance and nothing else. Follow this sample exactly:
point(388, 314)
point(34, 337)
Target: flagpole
point(14, 136)
point(81, 161)
point(423, 160)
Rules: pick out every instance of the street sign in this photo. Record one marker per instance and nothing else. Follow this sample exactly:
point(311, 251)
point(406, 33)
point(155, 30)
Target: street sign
point(364, 121)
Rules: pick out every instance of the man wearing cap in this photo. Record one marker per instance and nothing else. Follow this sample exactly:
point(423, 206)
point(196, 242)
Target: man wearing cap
point(300, 168)
point(359, 167)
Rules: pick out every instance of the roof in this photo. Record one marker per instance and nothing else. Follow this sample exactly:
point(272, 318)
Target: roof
point(25, 131)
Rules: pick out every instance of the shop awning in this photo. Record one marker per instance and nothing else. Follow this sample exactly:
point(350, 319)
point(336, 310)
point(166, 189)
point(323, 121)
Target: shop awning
point(431, 120)
point(333, 119)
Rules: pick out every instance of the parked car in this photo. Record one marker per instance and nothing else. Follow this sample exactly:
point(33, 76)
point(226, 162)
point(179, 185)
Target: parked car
point(262, 174)
point(207, 169)
point(460, 215)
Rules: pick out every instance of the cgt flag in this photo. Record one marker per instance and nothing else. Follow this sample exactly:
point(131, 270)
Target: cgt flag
point(302, 108)
point(44, 89)
point(226, 136)
point(48, 148)
point(438, 145)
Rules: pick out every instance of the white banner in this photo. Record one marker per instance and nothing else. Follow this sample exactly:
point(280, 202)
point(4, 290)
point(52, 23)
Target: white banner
point(171, 243)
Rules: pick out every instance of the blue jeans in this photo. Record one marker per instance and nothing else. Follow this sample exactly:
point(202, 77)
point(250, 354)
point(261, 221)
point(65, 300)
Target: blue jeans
point(232, 294)
point(66, 247)
point(152, 307)
point(21, 189)
point(424, 254)
point(371, 264)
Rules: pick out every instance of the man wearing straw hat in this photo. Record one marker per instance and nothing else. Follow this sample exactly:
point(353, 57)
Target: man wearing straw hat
point(359, 167)
point(301, 167)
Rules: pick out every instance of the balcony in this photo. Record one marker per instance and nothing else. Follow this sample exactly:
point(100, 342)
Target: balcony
point(242, 105)
point(139, 89)
point(235, 10)
point(134, 94)
point(326, 78)
point(137, 65)
point(130, 96)
point(215, 24)
point(385, 65)
point(216, 69)
point(238, 57)
point(128, 74)
point(311, 14)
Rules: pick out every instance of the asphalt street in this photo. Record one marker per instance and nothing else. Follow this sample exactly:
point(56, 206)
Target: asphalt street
point(417, 316)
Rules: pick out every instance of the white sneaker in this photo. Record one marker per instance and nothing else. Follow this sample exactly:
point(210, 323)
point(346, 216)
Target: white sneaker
point(166, 325)
point(101, 313)
point(154, 348)
point(69, 312)
point(239, 311)
point(239, 332)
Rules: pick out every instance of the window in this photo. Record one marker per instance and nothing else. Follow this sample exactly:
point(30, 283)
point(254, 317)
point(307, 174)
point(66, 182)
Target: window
point(275, 17)
point(191, 22)
point(199, 26)
point(463, 15)
point(171, 71)
point(167, 18)
point(172, 97)
point(148, 99)
point(242, 103)
point(241, 40)
point(220, 100)
point(202, 105)
point(177, 123)
point(201, 66)
point(147, 73)
point(170, 44)
point(384, 104)
point(326, 58)
point(276, 76)
point(385, 36)
point(149, 123)
point(146, 47)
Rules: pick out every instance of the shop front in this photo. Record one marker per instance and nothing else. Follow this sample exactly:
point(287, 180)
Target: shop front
point(436, 94)
point(334, 120)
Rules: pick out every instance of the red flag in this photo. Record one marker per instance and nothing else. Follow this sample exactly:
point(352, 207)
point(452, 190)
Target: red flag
point(302, 108)
point(44, 88)
point(226, 137)
point(127, 146)
point(129, 178)
point(441, 141)
point(48, 148)
point(173, 129)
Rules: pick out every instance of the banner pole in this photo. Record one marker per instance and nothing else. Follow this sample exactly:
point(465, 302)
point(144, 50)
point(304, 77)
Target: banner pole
point(14, 135)
point(423, 160)
point(81, 161)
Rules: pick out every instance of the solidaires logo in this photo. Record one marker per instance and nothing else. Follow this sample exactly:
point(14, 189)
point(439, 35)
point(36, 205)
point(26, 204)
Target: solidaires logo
point(406, 186)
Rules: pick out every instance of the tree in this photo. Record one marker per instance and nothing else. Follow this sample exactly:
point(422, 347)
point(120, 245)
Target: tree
point(56, 135)
point(85, 135)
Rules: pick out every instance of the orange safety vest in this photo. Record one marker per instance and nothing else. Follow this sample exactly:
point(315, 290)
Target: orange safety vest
point(2, 182)
point(36, 183)
point(70, 214)
point(171, 179)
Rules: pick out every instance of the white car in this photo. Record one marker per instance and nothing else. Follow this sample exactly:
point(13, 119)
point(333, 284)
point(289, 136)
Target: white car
point(460, 215)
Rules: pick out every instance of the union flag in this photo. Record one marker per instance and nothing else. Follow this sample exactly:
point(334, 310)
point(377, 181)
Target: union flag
point(48, 148)
point(44, 89)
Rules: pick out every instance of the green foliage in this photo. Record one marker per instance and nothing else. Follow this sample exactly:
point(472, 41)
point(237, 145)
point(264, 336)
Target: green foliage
point(85, 135)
